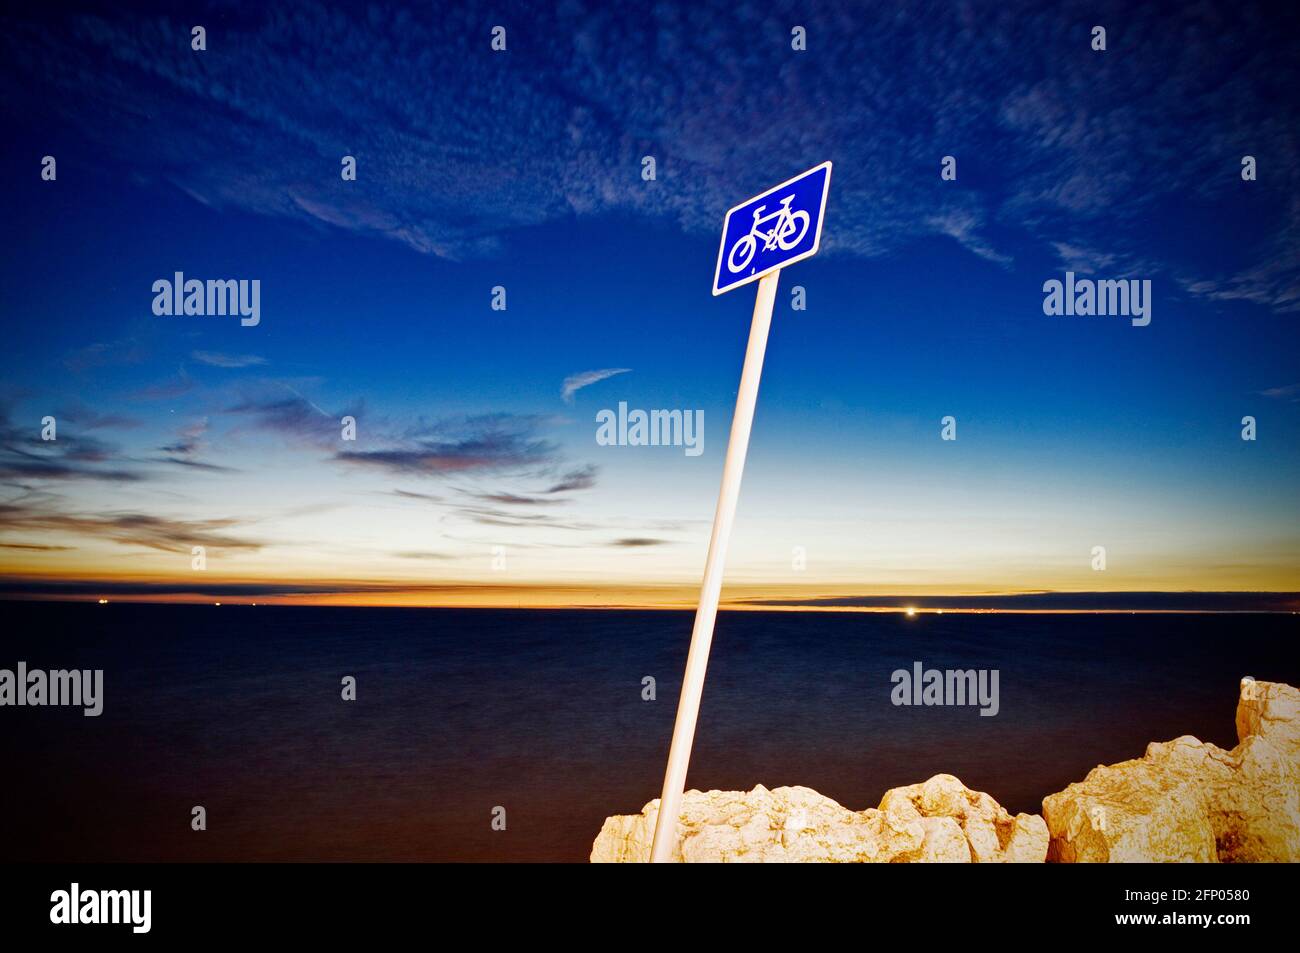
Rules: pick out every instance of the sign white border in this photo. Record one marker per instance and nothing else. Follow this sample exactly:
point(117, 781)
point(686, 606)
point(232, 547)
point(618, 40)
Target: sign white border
point(817, 239)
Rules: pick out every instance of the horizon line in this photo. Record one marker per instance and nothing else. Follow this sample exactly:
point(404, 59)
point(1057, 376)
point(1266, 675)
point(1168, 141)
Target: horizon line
point(737, 597)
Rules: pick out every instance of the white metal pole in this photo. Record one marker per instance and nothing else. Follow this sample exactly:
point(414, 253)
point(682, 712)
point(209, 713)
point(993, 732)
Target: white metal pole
point(697, 659)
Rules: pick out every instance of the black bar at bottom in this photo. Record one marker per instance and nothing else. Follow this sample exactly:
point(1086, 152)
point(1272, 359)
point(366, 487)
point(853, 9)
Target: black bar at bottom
point(332, 902)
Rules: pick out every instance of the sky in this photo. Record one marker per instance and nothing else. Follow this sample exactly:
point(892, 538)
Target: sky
point(476, 476)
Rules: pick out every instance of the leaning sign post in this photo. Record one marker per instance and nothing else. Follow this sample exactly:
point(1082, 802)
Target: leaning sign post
point(759, 238)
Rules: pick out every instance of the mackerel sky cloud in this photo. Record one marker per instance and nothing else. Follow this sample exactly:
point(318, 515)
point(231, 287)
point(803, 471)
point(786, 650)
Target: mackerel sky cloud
point(1062, 158)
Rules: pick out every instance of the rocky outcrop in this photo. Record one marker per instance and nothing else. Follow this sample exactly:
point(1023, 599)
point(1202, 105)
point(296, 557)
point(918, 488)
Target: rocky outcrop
point(937, 821)
point(1185, 800)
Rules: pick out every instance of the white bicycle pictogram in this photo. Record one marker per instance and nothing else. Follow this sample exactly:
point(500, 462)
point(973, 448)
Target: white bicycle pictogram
point(788, 231)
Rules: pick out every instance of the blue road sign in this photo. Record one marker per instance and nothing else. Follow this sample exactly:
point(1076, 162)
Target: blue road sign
point(772, 230)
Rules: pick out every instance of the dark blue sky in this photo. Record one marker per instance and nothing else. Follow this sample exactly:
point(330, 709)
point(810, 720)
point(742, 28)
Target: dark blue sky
point(523, 169)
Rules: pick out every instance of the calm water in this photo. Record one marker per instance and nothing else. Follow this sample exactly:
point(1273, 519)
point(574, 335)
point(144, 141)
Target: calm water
point(458, 711)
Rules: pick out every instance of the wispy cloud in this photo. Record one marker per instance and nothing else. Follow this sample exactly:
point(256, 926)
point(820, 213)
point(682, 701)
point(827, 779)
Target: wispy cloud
point(575, 382)
point(71, 456)
point(293, 414)
point(87, 418)
point(1086, 261)
point(130, 529)
point(218, 359)
point(516, 520)
point(964, 225)
point(277, 407)
point(583, 478)
point(167, 389)
point(412, 495)
point(1272, 279)
point(484, 444)
point(47, 469)
point(1063, 155)
point(515, 499)
point(189, 440)
point(199, 465)
point(103, 354)
point(183, 451)
point(1288, 392)
point(490, 451)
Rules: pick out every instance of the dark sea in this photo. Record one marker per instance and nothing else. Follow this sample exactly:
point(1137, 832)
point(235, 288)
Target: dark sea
point(458, 712)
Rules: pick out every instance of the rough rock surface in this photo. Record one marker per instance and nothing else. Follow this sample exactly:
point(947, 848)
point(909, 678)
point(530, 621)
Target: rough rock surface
point(1190, 801)
point(939, 820)
point(1183, 801)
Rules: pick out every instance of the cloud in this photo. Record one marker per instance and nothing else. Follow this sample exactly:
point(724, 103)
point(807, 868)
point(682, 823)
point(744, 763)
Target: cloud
point(575, 382)
point(490, 517)
point(217, 359)
point(130, 529)
point(1282, 393)
point(189, 442)
point(1086, 261)
point(412, 495)
point(103, 354)
point(1057, 144)
point(964, 225)
point(278, 408)
point(583, 478)
point(82, 449)
point(71, 456)
point(87, 418)
point(43, 469)
point(471, 445)
point(167, 389)
point(1272, 279)
point(198, 465)
point(430, 458)
point(639, 542)
point(284, 415)
point(514, 499)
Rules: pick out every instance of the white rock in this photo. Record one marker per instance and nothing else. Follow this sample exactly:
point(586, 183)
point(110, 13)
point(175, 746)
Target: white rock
point(1185, 800)
point(938, 821)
